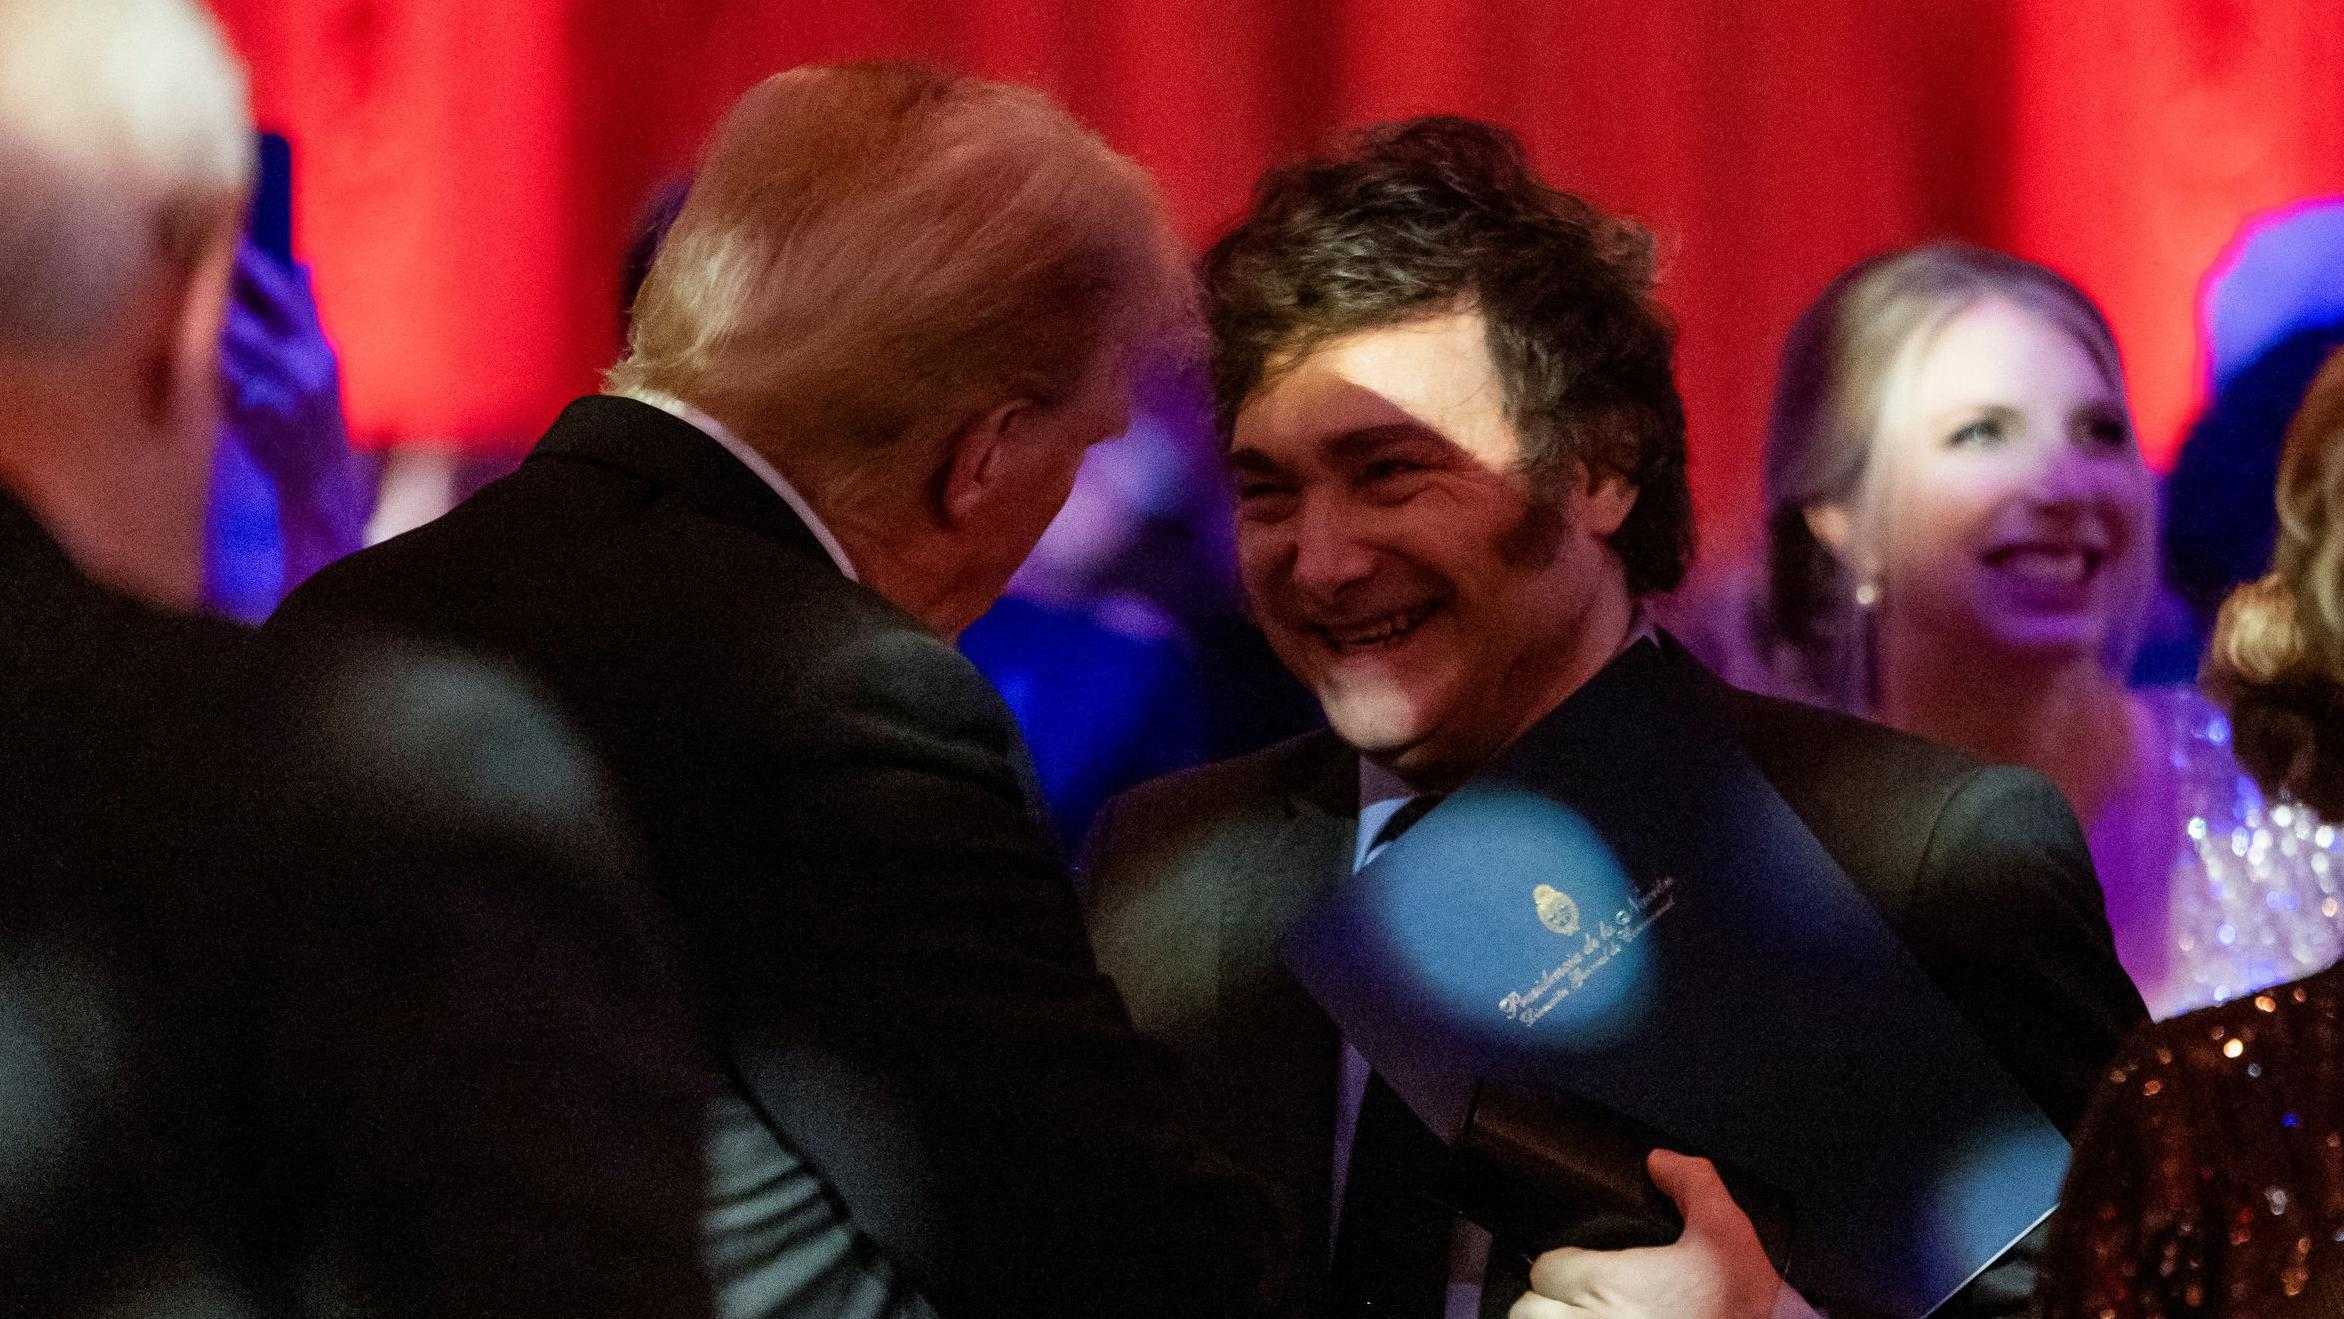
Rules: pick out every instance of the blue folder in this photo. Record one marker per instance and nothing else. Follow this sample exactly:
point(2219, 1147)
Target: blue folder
point(1625, 911)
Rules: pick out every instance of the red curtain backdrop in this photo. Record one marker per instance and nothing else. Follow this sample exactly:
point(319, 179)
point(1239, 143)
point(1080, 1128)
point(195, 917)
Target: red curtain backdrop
point(466, 170)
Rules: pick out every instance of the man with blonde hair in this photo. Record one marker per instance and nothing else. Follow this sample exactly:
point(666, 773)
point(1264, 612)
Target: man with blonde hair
point(317, 967)
point(895, 311)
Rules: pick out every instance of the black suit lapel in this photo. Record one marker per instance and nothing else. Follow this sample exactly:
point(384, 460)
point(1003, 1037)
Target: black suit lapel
point(1277, 1053)
point(645, 442)
point(1296, 855)
point(1295, 858)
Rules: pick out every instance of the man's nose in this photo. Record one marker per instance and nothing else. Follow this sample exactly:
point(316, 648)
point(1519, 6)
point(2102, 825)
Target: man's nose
point(1329, 554)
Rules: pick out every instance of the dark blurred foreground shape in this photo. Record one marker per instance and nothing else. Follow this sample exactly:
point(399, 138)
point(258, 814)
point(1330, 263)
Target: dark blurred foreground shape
point(323, 975)
point(324, 989)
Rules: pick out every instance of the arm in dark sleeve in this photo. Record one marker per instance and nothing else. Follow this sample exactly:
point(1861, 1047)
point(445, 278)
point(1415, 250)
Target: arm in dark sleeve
point(953, 973)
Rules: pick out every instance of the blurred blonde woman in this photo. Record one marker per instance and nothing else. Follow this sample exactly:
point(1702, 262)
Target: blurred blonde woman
point(2208, 1178)
point(1961, 543)
point(2277, 658)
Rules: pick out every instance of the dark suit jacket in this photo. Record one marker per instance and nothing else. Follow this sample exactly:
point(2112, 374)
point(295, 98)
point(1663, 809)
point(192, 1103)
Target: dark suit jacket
point(887, 950)
point(335, 966)
point(1192, 880)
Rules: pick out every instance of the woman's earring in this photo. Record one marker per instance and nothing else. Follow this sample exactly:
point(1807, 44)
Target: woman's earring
point(1867, 594)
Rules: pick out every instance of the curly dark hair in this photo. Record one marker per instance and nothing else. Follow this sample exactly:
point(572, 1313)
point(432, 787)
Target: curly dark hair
point(1440, 213)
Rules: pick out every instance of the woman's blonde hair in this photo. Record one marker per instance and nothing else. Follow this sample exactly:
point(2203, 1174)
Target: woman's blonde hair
point(2276, 660)
point(873, 251)
point(1829, 394)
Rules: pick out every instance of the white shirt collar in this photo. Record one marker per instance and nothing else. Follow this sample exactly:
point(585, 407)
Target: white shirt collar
point(755, 462)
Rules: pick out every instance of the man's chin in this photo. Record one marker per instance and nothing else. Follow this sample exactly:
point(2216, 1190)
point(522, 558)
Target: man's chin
point(1426, 763)
point(1382, 733)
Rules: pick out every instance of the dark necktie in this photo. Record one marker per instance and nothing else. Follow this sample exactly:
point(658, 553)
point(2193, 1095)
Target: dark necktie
point(1403, 820)
point(1392, 1244)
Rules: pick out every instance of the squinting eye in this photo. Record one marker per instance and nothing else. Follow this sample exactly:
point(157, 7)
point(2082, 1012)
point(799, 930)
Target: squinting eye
point(1985, 430)
point(1263, 500)
point(2109, 432)
point(1391, 477)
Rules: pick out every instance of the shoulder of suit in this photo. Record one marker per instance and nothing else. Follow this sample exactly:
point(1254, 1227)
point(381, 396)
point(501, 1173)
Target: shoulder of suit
point(1892, 808)
point(1796, 743)
point(1776, 715)
point(533, 534)
point(1811, 753)
point(1257, 780)
point(1772, 729)
point(1186, 827)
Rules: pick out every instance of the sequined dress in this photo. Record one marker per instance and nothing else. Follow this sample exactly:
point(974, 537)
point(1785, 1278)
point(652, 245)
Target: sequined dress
point(2209, 1174)
point(2256, 888)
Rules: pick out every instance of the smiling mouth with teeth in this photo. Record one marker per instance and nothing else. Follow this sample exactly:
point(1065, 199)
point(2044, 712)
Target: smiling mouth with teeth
point(2048, 565)
point(1376, 633)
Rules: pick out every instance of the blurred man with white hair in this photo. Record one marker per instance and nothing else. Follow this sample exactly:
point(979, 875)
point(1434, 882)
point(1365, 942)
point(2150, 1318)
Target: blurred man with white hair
point(895, 311)
point(316, 973)
point(128, 154)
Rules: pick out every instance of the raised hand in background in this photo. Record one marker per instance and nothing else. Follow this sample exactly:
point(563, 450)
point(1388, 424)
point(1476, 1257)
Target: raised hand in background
point(281, 405)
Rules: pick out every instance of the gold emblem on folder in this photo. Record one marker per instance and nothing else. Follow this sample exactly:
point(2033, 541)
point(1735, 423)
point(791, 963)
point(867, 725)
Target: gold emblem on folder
point(1556, 911)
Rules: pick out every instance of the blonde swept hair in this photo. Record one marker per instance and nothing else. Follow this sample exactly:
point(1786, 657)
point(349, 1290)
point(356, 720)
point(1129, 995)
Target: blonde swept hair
point(2276, 659)
point(1830, 392)
point(125, 135)
point(873, 252)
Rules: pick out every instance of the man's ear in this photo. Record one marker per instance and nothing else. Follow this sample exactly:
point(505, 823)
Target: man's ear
point(1832, 526)
point(186, 305)
point(976, 465)
point(1605, 503)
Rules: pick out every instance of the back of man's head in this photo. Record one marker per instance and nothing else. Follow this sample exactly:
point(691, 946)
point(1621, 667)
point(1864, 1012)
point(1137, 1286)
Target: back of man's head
point(124, 134)
point(126, 154)
point(1440, 214)
point(874, 253)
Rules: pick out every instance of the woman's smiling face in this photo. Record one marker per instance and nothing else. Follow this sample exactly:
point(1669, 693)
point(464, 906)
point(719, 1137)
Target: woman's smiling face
point(2007, 505)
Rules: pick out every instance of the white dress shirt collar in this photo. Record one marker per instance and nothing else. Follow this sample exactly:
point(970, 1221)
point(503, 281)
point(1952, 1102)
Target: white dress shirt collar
point(755, 462)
